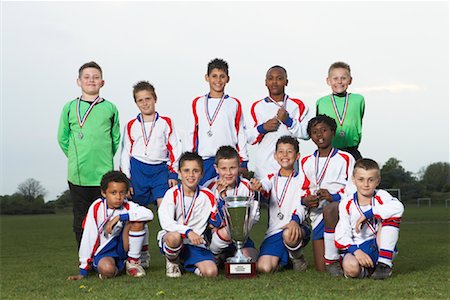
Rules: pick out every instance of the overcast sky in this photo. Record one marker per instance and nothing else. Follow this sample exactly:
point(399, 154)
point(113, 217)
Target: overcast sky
point(398, 52)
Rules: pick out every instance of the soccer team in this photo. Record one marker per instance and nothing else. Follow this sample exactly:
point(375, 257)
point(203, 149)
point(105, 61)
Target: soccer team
point(324, 196)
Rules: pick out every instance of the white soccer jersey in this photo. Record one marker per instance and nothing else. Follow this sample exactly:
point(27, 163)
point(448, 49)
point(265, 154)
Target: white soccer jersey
point(265, 109)
point(178, 213)
point(94, 236)
point(384, 207)
point(332, 173)
point(163, 145)
point(285, 200)
point(217, 123)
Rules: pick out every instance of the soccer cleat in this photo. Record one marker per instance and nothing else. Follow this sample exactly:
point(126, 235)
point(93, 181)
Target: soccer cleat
point(144, 261)
point(134, 269)
point(299, 264)
point(382, 271)
point(172, 269)
point(335, 269)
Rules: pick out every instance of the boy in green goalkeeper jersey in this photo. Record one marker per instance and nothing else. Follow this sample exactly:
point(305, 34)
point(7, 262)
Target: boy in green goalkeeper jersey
point(346, 108)
point(89, 135)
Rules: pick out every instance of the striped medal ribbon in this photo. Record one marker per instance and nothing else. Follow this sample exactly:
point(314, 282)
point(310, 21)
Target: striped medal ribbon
point(319, 174)
point(82, 119)
point(340, 117)
point(280, 199)
point(216, 112)
point(144, 133)
point(187, 214)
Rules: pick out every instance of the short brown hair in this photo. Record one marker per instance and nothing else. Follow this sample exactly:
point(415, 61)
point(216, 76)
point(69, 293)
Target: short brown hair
point(339, 64)
point(91, 64)
point(143, 86)
point(227, 152)
point(366, 164)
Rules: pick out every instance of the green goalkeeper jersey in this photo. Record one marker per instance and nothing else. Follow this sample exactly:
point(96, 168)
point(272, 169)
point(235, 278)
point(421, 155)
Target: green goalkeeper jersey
point(348, 134)
point(90, 149)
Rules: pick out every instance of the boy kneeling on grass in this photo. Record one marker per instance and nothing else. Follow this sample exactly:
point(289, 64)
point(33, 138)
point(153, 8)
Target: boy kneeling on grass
point(113, 231)
point(368, 225)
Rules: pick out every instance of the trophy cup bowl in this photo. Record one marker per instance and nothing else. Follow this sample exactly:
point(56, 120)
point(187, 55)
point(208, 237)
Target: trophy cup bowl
point(238, 226)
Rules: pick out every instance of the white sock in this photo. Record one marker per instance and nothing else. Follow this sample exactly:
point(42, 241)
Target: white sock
point(144, 250)
point(136, 239)
point(388, 240)
point(331, 252)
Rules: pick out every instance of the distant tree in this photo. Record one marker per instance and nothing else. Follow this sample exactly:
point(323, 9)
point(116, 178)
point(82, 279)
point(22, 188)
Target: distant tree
point(436, 177)
point(393, 175)
point(62, 201)
point(31, 189)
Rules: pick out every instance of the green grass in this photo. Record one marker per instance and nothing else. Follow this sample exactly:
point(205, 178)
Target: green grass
point(38, 253)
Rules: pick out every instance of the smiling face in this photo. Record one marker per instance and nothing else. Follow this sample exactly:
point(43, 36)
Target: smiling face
point(90, 82)
point(322, 135)
point(339, 79)
point(228, 170)
point(217, 80)
point(115, 194)
point(146, 101)
point(366, 181)
point(286, 156)
point(190, 173)
point(276, 81)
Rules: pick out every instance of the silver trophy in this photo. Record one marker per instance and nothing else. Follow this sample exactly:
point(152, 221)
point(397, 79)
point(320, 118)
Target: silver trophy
point(239, 222)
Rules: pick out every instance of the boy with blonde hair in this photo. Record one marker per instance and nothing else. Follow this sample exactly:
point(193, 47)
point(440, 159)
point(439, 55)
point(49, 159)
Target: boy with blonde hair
point(346, 108)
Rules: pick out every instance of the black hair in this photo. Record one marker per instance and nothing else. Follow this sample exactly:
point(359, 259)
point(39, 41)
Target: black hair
point(189, 156)
point(217, 63)
point(227, 152)
point(287, 139)
point(321, 119)
point(113, 176)
point(277, 67)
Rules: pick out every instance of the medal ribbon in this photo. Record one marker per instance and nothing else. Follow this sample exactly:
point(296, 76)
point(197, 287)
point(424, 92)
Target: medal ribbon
point(370, 225)
point(81, 120)
point(216, 112)
point(144, 134)
point(336, 111)
point(284, 191)
point(320, 174)
point(284, 101)
point(187, 214)
point(106, 218)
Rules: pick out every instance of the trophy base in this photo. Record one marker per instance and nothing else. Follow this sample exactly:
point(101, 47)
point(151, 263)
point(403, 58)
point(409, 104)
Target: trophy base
point(240, 270)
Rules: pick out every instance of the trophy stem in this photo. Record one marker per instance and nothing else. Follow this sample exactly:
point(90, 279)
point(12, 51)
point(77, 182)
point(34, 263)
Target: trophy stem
point(239, 257)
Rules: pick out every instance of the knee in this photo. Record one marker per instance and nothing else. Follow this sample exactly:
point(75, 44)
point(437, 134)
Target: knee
point(173, 239)
point(264, 267)
point(351, 268)
point(210, 272)
point(137, 226)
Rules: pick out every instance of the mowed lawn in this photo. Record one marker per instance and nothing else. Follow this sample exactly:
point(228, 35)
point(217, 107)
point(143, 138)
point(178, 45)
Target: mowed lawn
point(38, 253)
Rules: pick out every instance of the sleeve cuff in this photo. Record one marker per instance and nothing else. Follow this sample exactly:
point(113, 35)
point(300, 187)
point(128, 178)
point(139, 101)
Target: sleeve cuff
point(261, 129)
point(244, 164)
point(288, 122)
point(124, 217)
point(187, 232)
point(296, 218)
point(352, 249)
point(369, 214)
point(336, 197)
point(83, 272)
point(173, 175)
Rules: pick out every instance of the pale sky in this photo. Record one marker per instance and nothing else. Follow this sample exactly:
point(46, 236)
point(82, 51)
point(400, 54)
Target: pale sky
point(398, 52)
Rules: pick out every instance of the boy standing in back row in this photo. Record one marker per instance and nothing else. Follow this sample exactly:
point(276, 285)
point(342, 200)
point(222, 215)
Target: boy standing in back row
point(275, 116)
point(217, 121)
point(89, 135)
point(346, 108)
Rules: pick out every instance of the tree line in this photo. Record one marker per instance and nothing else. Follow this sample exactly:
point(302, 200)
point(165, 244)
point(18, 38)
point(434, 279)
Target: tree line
point(432, 181)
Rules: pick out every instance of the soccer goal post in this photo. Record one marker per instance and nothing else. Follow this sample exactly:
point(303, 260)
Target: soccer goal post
point(396, 193)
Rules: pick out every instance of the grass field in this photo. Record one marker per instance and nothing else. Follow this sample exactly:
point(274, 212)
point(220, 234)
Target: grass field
point(38, 253)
